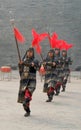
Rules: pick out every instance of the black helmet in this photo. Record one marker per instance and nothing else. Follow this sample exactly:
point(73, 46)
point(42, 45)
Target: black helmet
point(31, 49)
point(51, 51)
point(64, 51)
point(57, 49)
point(57, 52)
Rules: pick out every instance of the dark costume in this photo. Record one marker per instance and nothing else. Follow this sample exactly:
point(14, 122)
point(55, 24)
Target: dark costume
point(58, 69)
point(66, 70)
point(50, 75)
point(28, 81)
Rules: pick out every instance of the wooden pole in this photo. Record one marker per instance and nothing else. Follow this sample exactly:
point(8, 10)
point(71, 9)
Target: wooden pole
point(13, 25)
point(17, 49)
point(49, 39)
point(41, 57)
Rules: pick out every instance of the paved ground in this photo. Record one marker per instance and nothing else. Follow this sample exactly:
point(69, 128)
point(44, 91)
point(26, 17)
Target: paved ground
point(64, 113)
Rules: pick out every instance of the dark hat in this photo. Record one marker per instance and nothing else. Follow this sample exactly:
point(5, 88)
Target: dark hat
point(57, 49)
point(51, 51)
point(64, 50)
point(31, 49)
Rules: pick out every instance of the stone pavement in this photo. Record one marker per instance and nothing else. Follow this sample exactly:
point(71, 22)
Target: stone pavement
point(63, 113)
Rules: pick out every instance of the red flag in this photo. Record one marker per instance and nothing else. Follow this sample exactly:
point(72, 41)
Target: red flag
point(34, 42)
point(37, 37)
point(53, 39)
point(34, 33)
point(66, 46)
point(38, 49)
point(55, 35)
point(69, 46)
point(59, 44)
point(18, 35)
point(42, 36)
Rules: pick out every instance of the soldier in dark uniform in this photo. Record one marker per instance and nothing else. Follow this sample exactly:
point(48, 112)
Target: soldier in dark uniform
point(49, 84)
point(66, 70)
point(28, 68)
point(58, 69)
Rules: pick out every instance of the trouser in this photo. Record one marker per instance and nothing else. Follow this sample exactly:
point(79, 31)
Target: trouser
point(50, 92)
point(28, 95)
point(27, 99)
point(65, 79)
point(64, 84)
point(57, 88)
point(58, 85)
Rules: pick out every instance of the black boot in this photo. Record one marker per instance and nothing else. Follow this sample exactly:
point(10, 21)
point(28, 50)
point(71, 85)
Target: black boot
point(57, 92)
point(26, 107)
point(63, 90)
point(27, 112)
point(50, 97)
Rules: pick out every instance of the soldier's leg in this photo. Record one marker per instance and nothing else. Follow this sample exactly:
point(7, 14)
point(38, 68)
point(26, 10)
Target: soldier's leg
point(26, 102)
point(64, 85)
point(21, 92)
point(57, 89)
point(50, 92)
point(28, 96)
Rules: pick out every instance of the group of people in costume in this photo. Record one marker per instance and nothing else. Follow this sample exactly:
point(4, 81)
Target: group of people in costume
point(56, 68)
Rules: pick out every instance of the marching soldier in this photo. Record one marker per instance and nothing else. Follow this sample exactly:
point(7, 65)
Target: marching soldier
point(49, 83)
point(27, 68)
point(58, 69)
point(66, 70)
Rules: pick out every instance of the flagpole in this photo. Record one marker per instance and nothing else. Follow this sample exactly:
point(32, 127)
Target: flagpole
point(49, 39)
point(13, 25)
point(41, 56)
point(17, 48)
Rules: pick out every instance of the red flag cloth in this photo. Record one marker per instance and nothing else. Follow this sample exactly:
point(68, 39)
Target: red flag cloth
point(42, 36)
point(35, 42)
point(59, 44)
point(55, 35)
point(34, 33)
point(53, 39)
point(37, 37)
point(18, 35)
point(66, 46)
point(69, 46)
point(38, 49)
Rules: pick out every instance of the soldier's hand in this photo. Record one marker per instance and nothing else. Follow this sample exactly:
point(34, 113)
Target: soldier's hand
point(54, 63)
point(44, 63)
point(32, 64)
point(20, 62)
